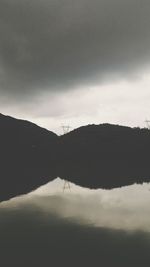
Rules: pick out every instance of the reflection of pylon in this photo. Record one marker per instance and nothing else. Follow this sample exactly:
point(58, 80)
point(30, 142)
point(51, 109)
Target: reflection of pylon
point(66, 186)
point(66, 129)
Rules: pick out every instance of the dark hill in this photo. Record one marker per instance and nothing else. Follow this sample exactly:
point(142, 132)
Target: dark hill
point(26, 155)
point(96, 156)
point(105, 155)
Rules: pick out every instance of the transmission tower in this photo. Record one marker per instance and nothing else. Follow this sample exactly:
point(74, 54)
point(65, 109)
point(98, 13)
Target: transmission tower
point(66, 185)
point(148, 124)
point(65, 129)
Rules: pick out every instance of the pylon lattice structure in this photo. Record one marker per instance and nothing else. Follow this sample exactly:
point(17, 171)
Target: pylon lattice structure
point(148, 124)
point(65, 128)
point(66, 186)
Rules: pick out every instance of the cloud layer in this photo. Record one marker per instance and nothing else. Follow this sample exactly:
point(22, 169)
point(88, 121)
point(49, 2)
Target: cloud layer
point(57, 45)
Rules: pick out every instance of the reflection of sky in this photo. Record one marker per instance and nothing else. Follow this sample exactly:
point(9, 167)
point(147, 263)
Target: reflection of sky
point(126, 208)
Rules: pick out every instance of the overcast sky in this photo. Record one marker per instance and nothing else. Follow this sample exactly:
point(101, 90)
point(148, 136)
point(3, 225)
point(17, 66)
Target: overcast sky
point(75, 61)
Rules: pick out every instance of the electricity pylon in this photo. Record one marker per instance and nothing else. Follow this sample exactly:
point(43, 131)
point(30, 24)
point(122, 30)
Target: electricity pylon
point(66, 129)
point(148, 123)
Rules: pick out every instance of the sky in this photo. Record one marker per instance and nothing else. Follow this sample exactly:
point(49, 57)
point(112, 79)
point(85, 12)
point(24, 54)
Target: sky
point(75, 62)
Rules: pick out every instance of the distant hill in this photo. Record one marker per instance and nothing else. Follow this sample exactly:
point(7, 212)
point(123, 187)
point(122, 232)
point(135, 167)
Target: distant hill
point(27, 156)
point(105, 156)
point(96, 156)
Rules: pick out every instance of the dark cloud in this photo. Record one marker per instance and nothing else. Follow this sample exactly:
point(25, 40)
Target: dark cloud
point(49, 45)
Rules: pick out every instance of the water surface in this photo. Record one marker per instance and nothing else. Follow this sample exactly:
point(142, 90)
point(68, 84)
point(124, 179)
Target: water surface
point(80, 227)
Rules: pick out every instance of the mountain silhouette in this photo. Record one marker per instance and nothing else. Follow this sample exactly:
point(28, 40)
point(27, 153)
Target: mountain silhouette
point(105, 156)
point(95, 156)
point(27, 155)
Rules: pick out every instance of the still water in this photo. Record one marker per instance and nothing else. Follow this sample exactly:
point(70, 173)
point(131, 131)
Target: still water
point(80, 227)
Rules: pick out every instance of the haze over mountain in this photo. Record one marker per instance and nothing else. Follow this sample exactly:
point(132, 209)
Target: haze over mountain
point(95, 156)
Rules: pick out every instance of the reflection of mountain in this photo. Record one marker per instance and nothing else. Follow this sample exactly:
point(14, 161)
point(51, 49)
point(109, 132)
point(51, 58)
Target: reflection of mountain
point(26, 153)
point(105, 155)
point(93, 156)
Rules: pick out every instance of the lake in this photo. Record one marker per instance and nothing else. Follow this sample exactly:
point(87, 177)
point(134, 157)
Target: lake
point(77, 227)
